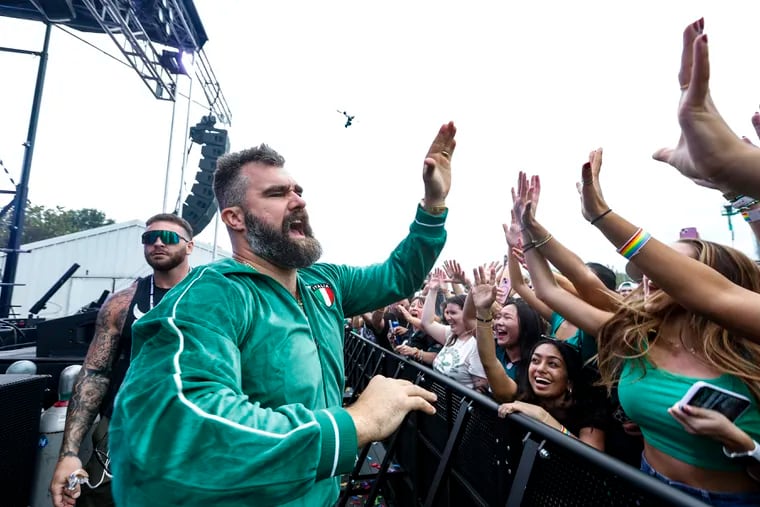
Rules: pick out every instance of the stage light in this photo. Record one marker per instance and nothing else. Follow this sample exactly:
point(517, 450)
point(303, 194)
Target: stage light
point(176, 62)
point(186, 61)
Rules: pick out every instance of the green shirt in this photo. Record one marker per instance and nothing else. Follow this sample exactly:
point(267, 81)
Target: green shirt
point(234, 393)
point(583, 342)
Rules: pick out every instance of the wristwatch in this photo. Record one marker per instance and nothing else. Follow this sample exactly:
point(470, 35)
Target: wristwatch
point(754, 453)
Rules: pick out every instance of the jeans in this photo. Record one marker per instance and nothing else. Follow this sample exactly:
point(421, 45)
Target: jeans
point(750, 499)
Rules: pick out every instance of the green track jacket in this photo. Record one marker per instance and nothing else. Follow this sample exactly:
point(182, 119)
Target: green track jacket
point(234, 394)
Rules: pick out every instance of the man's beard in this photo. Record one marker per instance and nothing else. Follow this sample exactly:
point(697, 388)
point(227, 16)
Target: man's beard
point(278, 247)
point(171, 261)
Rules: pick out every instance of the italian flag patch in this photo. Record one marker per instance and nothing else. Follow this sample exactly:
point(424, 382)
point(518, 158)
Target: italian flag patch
point(325, 293)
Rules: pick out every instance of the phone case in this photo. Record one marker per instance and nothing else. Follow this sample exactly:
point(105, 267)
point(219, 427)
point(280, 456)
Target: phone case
point(729, 403)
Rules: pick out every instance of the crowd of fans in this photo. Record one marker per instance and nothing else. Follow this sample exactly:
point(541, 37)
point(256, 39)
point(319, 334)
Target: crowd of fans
point(612, 362)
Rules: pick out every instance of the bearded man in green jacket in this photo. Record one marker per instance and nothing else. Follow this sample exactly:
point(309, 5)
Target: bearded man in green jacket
point(234, 394)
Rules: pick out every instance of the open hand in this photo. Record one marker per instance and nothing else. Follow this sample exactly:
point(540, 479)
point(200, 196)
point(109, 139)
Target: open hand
point(437, 168)
point(483, 292)
point(512, 231)
point(707, 145)
point(455, 272)
point(590, 190)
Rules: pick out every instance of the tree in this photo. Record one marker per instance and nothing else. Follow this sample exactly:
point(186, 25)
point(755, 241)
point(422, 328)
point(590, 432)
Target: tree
point(43, 223)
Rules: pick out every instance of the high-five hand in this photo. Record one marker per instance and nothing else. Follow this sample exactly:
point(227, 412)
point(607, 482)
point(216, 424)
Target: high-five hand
point(437, 170)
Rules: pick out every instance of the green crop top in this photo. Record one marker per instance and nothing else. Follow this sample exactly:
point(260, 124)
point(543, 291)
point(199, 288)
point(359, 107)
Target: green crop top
point(646, 400)
point(585, 344)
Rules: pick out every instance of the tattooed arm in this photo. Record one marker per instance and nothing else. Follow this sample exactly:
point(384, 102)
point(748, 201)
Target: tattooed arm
point(90, 389)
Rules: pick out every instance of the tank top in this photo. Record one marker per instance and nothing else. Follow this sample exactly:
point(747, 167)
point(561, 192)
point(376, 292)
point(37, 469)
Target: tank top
point(647, 393)
point(139, 306)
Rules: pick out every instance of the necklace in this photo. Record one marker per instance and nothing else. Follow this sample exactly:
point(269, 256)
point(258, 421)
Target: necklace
point(152, 287)
point(296, 294)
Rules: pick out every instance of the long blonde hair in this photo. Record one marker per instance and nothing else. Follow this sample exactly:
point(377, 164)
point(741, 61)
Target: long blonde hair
point(632, 330)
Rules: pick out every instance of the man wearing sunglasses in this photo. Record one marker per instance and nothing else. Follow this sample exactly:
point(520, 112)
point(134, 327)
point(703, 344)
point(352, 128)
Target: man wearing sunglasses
point(235, 393)
point(167, 244)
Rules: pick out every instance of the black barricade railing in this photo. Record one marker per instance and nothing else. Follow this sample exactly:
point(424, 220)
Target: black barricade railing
point(466, 455)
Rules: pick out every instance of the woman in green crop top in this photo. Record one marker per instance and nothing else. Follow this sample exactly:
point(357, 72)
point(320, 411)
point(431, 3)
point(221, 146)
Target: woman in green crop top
point(657, 348)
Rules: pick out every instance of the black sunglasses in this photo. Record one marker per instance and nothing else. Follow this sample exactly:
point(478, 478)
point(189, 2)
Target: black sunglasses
point(166, 237)
point(555, 339)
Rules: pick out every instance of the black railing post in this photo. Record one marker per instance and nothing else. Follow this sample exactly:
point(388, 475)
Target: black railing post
point(524, 469)
point(457, 431)
point(22, 190)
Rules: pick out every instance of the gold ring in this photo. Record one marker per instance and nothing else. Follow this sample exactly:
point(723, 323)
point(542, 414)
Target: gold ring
point(445, 153)
point(685, 86)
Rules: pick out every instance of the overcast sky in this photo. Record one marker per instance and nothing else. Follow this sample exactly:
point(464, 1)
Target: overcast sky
point(531, 85)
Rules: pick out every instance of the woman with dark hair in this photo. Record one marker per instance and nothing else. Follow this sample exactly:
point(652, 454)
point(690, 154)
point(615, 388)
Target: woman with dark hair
point(692, 319)
point(459, 357)
point(420, 346)
point(517, 327)
point(551, 388)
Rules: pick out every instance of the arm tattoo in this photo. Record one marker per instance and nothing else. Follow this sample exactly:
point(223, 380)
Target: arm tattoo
point(92, 384)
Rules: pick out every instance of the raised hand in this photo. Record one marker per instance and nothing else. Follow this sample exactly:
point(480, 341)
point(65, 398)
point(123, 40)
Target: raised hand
point(520, 198)
point(437, 168)
point(532, 194)
point(483, 292)
point(707, 146)
point(455, 272)
point(512, 231)
point(437, 280)
point(520, 256)
point(590, 190)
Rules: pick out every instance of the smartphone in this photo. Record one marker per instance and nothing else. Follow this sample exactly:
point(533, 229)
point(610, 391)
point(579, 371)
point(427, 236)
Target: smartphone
point(689, 233)
point(705, 395)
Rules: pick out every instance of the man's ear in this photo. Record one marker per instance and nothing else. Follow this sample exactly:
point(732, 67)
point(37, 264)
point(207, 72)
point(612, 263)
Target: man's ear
point(234, 218)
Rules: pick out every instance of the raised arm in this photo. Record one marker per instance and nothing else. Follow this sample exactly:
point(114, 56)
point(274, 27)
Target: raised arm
point(405, 269)
point(514, 241)
point(183, 406)
point(708, 152)
point(414, 321)
point(585, 281)
point(459, 282)
point(585, 316)
point(435, 329)
point(482, 296)
point(89, 390)
point(692, 284)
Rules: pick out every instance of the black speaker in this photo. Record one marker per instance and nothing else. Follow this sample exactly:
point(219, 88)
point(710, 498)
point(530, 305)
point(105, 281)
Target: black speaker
point(56, 11)
point(20, 408)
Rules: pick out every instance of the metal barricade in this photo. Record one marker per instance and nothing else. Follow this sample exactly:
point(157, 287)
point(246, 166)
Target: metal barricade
point(465, 455)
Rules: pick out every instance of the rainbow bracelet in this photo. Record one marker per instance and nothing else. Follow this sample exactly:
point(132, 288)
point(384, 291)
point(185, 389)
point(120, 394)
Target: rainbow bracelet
point(635, 244)
point(751, 215)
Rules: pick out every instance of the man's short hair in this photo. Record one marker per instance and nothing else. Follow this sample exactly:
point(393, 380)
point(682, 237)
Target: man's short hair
point(171, 217)
point(229, 184)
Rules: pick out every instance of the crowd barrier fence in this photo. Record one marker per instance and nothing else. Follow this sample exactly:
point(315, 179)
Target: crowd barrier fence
point(465, 455)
